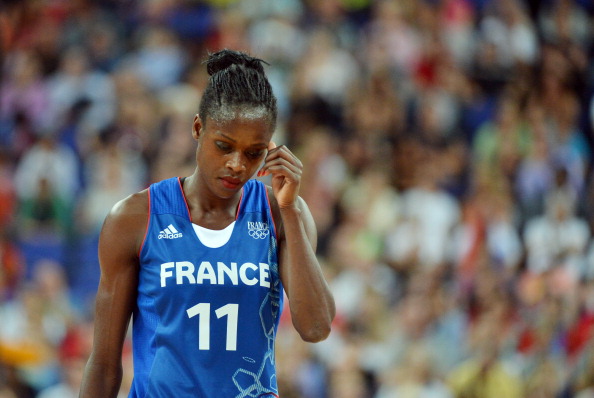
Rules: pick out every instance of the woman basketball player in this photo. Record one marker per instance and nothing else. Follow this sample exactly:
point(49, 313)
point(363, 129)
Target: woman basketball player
point(201, 263)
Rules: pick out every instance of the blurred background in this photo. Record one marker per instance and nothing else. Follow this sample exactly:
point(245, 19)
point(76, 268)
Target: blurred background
point(448, 164)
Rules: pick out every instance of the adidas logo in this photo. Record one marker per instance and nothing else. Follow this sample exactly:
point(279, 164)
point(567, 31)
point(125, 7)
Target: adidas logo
point(170, 233)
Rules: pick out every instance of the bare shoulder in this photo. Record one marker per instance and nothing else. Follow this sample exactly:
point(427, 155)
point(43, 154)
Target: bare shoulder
point(135, 204)
point(126, 222)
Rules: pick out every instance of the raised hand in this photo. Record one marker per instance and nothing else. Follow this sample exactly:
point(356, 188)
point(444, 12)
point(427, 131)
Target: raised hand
point(286, 170)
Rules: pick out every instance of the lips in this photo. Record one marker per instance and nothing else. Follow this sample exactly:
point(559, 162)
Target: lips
point(231, 182)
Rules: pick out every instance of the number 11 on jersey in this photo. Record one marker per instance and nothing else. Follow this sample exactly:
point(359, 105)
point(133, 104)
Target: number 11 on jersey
point(231, 311)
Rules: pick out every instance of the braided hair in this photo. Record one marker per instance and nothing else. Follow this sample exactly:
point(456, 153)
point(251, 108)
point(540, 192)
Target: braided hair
point(237, 82)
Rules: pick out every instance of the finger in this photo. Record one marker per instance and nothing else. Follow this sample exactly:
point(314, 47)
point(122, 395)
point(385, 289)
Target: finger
point(284, 169)
point(280, 166)
point(263, 172)
point(283, 153)
point(282, 159)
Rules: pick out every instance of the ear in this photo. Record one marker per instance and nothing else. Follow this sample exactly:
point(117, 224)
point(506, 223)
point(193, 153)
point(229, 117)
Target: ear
point(196, 127)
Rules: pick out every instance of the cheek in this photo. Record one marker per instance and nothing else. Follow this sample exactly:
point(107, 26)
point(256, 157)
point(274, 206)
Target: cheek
point(251, 164)
point(256, 163)
point(208, 159)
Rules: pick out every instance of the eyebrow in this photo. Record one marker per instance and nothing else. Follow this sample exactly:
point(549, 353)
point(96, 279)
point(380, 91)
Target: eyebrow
point(225, 136)
point(259, 144)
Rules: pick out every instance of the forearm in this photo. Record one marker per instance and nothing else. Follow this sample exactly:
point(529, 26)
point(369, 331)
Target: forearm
point(100, 380)
point(311, 302)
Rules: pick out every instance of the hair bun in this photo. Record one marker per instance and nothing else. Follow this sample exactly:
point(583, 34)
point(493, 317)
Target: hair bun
point(224, 59)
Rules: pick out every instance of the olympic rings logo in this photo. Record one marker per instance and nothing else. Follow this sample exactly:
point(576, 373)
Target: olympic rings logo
point(258, 230)
point(259, 233)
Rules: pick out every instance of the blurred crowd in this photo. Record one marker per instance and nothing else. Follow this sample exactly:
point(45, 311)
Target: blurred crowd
point(448, 153)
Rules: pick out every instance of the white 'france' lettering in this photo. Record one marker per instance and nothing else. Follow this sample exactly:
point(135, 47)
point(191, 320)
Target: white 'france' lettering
point(205, 271)
point(184, 269)
point(164, 273)
point(186, 273)
point(264, 275)
point(230, 272)
point(257, 225)
point(243, 274)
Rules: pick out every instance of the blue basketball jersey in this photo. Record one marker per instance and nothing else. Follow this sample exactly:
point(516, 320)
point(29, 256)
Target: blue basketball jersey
point(206, 318)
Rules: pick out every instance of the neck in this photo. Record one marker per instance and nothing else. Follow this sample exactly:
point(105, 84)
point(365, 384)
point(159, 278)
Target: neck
point(205, 208)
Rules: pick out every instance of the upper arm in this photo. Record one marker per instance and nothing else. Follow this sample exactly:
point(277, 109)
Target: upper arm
point(312, 304)
point(121, 236)
point(309, 229)
point(309, 224)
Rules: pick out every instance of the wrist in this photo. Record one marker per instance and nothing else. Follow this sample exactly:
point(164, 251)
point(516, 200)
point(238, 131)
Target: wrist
point(292, 208)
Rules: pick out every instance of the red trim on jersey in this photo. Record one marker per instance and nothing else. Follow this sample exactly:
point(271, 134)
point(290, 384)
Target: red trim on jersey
point(270, 210)
point(148, 221)
point(239, 205)
point(266, 394)
point(181, 188)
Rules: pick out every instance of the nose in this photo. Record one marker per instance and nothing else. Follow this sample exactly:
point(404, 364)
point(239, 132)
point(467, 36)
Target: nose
point(235, 162)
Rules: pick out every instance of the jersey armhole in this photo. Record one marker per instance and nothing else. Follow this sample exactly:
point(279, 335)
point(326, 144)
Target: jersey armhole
point(180, 182)
point(148, 220)
point(271, 212)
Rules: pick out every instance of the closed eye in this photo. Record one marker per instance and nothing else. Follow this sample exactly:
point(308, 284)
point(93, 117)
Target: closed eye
point(223, 146)
point(255, 154)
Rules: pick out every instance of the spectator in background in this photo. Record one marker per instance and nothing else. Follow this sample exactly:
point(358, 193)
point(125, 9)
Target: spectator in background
point(536, 171)
point(484, 374)
point(488, 232)
point(175, 156)
point(316, 75)
point(557, 240)
point(73, 352)
point(8, 195)
point(507, 26)
point(24, 101)
point(421, 238)
point(113, 171)
point(46, 180)
point(324, 181)
point(391, 41)
point(500, 145)
point(137, 122)
point(375, 112)
point(570, 150)
point(12, 265)
point(414, 378)
point(565, 21)
point(76, 80)
point(456, 24)
point(25, 345)
point(159, 60)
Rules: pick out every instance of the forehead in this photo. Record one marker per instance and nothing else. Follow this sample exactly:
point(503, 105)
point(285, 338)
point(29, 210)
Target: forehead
point(251, 125)
point(227, 113)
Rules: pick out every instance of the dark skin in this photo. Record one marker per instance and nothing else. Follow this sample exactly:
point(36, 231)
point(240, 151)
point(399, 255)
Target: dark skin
point(228, 154)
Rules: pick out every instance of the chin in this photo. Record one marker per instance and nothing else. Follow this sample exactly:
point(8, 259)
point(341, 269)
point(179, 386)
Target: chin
point(227, 193)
